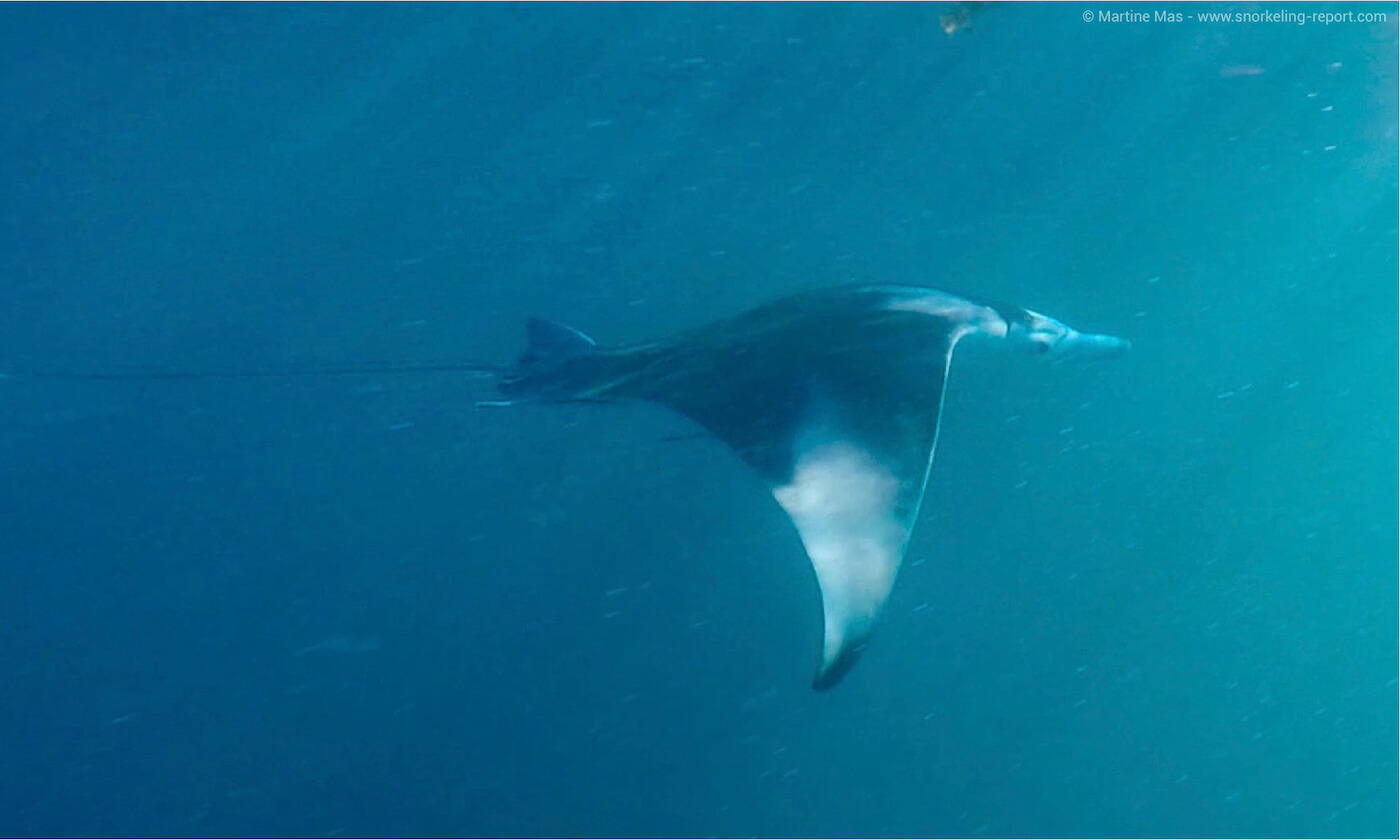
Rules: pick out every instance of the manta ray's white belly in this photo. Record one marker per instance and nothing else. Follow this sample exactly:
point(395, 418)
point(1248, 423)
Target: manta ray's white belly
point(842, 501)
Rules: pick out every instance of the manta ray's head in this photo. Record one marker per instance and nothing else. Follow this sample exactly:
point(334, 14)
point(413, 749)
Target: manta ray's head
point(1042, 335)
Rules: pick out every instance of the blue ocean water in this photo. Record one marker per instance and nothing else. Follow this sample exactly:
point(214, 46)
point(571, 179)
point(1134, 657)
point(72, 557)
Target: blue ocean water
point(1153, 597)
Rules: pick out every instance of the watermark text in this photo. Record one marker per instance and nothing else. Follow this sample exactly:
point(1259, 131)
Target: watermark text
point(1288, 16)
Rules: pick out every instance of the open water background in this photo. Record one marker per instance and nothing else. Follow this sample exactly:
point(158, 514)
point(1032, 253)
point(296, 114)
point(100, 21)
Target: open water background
point(1151, 597)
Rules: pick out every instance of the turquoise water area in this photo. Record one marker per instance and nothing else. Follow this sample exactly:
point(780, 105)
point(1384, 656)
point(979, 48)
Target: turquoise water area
point(1151, 597)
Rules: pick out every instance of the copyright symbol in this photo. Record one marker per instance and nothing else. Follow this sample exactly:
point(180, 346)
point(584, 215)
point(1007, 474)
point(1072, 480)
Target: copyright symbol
point(1088, 16)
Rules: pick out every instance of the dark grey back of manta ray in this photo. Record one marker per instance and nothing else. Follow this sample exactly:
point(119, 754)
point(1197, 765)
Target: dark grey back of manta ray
point(832, 397)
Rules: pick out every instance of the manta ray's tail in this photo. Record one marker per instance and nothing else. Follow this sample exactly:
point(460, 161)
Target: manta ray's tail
point(473, 370)
point(559, 364)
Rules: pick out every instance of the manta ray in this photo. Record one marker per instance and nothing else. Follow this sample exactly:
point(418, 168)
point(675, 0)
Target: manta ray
point(831, 397)
point(833, 400)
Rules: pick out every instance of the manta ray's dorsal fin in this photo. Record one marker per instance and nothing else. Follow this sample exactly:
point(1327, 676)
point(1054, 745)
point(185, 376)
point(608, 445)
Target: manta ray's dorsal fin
point(551, 340)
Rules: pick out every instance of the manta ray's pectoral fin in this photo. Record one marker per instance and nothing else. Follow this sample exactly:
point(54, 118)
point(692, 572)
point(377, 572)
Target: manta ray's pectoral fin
point(845, 505)
point(840, 421)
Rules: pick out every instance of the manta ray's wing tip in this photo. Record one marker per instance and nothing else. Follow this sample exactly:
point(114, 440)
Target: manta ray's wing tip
point(832, 672)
